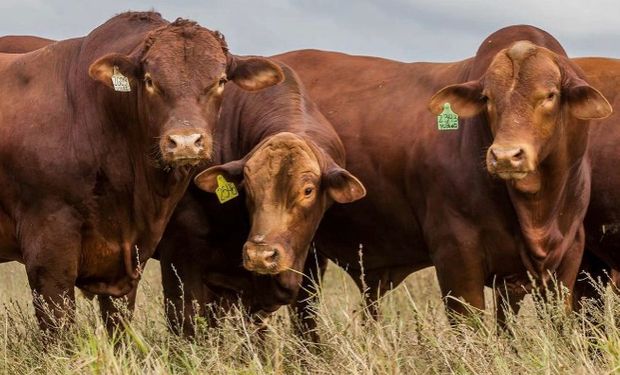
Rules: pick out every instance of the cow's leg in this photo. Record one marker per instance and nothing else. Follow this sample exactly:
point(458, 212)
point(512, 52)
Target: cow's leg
point(461, 277)
point(594, 275)
point(507, 301)
point(115, 311)
point(373, 285)
point(567, 273)
point(51, 245)
point(184, 292)
point(314, 270)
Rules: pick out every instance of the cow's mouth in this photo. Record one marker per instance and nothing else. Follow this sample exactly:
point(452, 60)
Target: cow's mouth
point(511, 175)
point(269, 269)
point(524, 181)
point(193, 161)
point(179, 162)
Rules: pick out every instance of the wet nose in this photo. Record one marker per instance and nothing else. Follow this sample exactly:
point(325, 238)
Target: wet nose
point(192, 141)
point(261, 258)
point(184, 146)
point(507, 157)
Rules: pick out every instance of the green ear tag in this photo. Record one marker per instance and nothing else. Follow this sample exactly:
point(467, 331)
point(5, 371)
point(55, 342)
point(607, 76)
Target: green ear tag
point(447, 120)
point(225, 190)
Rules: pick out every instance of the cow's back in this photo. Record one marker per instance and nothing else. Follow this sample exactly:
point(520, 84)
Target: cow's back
point(22, 43)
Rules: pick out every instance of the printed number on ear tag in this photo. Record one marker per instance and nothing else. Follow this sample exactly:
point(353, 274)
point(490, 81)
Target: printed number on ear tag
point(225, 190)
point(119, 81)
point(447, 120)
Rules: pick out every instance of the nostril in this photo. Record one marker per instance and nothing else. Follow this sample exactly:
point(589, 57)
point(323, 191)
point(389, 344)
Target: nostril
point(198, 142)
point(269, 256)
point(273, 255)
point(493, 156)
point(171, 143)
point(519, 155)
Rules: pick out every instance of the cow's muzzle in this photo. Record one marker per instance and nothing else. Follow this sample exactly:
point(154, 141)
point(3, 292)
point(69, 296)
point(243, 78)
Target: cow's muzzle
point(263, 258)
point(508, 163)
point(187, 148)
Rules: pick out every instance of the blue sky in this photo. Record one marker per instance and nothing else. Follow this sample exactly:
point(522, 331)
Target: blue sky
point(406, 30)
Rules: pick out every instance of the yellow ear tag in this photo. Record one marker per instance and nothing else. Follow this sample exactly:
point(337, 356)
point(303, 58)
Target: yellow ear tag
point(225, 190)
point(119, 81)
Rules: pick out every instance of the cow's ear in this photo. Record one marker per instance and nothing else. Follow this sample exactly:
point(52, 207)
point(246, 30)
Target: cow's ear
point(585, 102)
point(254, 73)
point(232, 172)
point(106, 66)
point(465, 99)
point(342, 186)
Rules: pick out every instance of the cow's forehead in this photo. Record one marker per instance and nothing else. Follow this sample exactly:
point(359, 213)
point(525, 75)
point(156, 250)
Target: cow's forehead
point(197, 48)
point(283, 156)
point(523, 67)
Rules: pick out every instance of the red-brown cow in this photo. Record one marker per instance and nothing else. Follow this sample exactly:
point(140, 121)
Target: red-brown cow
point(99, 137)
point(289, 161)
point(431, 201)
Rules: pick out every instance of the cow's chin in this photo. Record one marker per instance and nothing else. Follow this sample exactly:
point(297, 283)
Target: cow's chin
point(184, 162)
point(512, 175)
point(527, 182)
point(272, 269)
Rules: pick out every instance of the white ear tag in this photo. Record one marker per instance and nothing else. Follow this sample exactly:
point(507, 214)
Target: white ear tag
point(119, 81)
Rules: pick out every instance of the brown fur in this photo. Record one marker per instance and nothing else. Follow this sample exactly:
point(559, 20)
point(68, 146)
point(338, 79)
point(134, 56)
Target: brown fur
point(85, 199)
point(269, 143)
point(430, 200)
point(22, 43)
point(602, 221)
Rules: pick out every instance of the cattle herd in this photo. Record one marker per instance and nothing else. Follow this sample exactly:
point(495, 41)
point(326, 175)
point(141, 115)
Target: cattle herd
point(244, 175)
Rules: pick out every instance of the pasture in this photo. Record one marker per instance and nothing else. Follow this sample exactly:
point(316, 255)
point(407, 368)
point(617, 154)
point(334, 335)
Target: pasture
point(413, 337)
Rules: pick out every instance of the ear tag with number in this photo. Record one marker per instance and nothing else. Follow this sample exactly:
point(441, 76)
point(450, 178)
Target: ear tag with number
point(447, 119)
point(225, 190)
point(119, 81)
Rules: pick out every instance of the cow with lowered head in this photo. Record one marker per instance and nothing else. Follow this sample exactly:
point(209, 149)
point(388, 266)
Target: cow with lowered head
point(288, 163)
point(99, 138)
point(431, 200)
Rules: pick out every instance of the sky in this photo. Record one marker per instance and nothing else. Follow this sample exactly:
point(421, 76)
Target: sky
point(405, 30)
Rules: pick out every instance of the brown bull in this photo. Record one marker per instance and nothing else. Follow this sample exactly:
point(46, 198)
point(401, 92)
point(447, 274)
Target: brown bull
point(99, 137)
point(431, 199)
point(602, 221)
point(287, 161)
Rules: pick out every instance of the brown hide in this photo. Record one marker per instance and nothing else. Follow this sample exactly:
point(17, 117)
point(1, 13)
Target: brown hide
point(602, 221)
point(264, 140)
point(22, 43)
point(430, 200)
point(90, 175)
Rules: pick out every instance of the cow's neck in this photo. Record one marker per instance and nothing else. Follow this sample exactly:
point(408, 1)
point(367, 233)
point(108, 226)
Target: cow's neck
point(551, 220)
point(144, 191)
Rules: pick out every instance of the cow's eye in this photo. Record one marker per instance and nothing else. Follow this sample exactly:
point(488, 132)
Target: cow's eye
point(308, 191)
point(222, 81)
point(551, 95)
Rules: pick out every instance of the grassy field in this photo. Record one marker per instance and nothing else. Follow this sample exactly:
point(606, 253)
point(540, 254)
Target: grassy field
point(412, 337)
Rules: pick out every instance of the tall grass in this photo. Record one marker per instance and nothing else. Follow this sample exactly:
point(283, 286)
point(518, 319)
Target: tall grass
point(413, 336)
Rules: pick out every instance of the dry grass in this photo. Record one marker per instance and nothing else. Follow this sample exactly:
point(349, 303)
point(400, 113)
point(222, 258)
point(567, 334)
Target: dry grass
point(412, 337)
